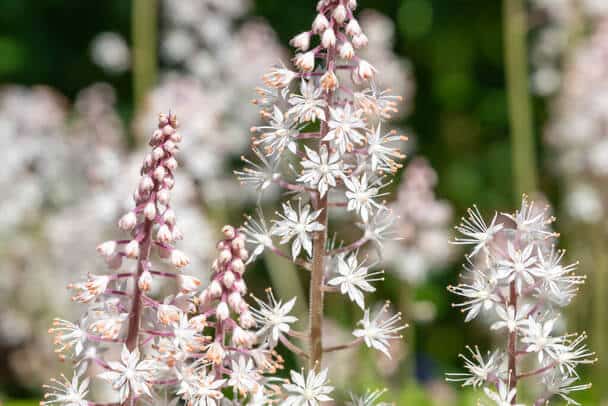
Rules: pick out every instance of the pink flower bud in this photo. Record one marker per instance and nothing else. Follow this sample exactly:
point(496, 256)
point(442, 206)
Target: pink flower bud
point(228, 279)
point(238, 243)
point(329, 81)
point(243, 254)
point(163, 196)
point(157, 137)
point(215, 289)
point(240, 286)
point(301, 41)
point(150, 211)
point(179, 259)
point(168, 182)
point(235, 299)
point(168, 130)
point(128, 221)
point(145, 280)
point(164, 235)
point(170, 147)
point(222, 312)
point(228, 232)
point(329, 38)
point(237, 266)
point(347, 51)
point(215, 353)
point(159, 173)
point(146, 183)
point(352, 4)
point(177, 234)
point(360, 41)
point(158, 153)
point(353, 28)
point(187, 283)
point(225, 256)
point(132, 249)
point(242, 338)
point(107, 249)
point(320, 24)
point(176, 137)
point(305, 62)
point(169, 216)
point(198, 322)
point(339, 14)
point(365, 71)
point(170, 163)
point(246, 319)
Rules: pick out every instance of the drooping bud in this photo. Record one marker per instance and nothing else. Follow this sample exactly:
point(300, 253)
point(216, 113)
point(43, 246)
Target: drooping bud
point(301, 41)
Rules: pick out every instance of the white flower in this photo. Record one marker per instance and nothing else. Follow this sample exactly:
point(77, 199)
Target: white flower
point(280, 133)
point(244, 376)
point(517, 267)
point(572, 353)
point(273, 317)
point(279, 76)
point(479, 294)
point(384, 158)
point(261, 175)
point(532, 220)
point(309, 105)
point(321, 169)
point(361, 195)
point(307, 392)
point(200, 389)
point(538, 337)
point(345, 128)
point(476, 231)
point(256, 232)
point(297, 225)
point(353, 279)
point(479, 370)
point(510, 318)
point(131, 376)
point(91, 289)
point(558, 384)
point(378, 331)
point(365, 70)
point(504, 396)
point(65, 392)
point(301, 41)
point(380, 228)
point(69, 337)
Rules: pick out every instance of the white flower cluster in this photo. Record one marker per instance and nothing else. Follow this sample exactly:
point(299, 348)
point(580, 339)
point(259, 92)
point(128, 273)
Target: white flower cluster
point(515, 275)
point(324, 143)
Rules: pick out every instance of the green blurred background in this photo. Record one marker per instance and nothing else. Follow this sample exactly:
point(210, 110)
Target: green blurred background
point(460, 120)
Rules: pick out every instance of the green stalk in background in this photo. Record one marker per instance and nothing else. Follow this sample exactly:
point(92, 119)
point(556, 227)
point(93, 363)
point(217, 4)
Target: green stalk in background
point(144, 27)
point(520, 110)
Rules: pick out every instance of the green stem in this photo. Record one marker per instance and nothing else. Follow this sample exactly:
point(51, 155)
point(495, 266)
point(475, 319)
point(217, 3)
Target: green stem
point(143, 25)
point(520, 109)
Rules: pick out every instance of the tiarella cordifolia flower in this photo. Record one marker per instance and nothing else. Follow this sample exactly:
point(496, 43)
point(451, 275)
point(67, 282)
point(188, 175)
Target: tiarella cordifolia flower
point(321, 170)
point(379, 330)
point(273, 318)
point(65, 392)
point(513, 275)
point(370, 398)
point(325, 143)
point(354, 279)
point(297, 225)
point(309, 105)
point(479, 370)
point(131, 376)
point(261, 175)
point(307, 390)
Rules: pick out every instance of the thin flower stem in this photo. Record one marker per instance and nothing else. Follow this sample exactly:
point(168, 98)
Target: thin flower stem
point(537, 371)
point(343, 346)
point(351, 247)
point(292, 347)
point(298, 261)
point(512, 345)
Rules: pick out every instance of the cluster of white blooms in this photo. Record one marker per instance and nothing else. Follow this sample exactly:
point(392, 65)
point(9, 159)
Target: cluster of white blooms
point(212, 68)
point(423, 225)
point(515, 275)
point(559, 26)
point(325, 144)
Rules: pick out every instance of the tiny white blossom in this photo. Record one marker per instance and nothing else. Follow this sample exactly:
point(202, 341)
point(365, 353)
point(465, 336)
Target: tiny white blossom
point(308, 106)
point(517, 267)
point(475, 230)
point(280, 133)
point(309, 391)
point(384, 158)
point(297, 225)
point(244, 376)
point(354, 279)
point(320, 170)
point(504, 396)
point(273, 318)
point(261, 175)
point(510, 318)
point(480, 294)
point(362, 195)
point(345, 126)
point(65, 392)
point(480, 370)
point(257, 233)
point(376, 332)
point(537, 336)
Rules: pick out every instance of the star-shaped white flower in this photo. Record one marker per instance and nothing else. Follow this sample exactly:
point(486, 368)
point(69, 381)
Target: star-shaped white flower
point(320, 170)
point(309, 391)
point(130, 376)
point(354, 279)
point(504, 396)
point(475, 230)
point(310, 105)
point(297, 225)
point(378, 331)
point(65, 392)
point(345, 128)
point(361, 196)
point(273, 318)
